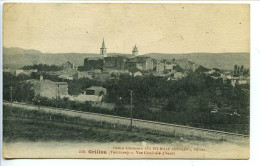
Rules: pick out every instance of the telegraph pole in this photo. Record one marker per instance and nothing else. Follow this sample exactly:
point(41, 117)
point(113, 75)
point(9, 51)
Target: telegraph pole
point(131, 103)
point(11, 94)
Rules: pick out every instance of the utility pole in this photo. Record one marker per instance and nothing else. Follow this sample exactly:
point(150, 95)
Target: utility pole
point(131, 103)
point(11, 94)
point(39, 103)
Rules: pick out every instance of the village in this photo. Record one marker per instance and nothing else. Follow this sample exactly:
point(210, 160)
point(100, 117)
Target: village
point(111, 67)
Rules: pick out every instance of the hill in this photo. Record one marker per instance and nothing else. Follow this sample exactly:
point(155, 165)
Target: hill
point(15, 57)
point(225, 61)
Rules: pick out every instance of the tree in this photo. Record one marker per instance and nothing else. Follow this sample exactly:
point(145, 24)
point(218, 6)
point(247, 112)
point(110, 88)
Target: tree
point(16, 87)
point(242, 70)
point(202, 69)
point(235, 71)
point(43, 67)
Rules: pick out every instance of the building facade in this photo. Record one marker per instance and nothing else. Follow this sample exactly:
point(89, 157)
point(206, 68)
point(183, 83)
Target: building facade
point(93, 64)
point(115, 63)
point(49, 89)
point(68, 65)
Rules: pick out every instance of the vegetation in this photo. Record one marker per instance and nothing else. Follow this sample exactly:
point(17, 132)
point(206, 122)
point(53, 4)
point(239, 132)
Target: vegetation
point(43, 67)
point(188, 101)
point(14, 88)
point(33, 125)
point(240, 71)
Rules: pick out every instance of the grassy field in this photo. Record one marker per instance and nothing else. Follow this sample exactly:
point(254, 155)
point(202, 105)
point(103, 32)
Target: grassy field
point(32, 125)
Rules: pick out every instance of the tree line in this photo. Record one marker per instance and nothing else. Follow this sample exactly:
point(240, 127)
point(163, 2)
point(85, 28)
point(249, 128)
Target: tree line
point(43, 67)
point(187, 101)
point(240, 71)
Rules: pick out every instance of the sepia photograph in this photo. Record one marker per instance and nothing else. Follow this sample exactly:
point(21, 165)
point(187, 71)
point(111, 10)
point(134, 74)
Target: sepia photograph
point(126, 81)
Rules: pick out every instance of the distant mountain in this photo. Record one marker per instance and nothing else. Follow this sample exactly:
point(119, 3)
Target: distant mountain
point(224, 61)
point(15, 57)
point(20, 51)
point(119, 54)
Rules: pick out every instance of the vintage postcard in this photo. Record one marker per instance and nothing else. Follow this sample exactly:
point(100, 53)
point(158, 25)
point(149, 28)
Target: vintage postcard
point(126, 80)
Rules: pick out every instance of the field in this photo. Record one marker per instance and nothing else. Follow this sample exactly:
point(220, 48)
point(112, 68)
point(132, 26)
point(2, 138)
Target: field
point(36, 133)
point(28, 125)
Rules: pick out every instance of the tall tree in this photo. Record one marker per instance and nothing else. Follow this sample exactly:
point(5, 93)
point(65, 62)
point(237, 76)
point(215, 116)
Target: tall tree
point(235, 70)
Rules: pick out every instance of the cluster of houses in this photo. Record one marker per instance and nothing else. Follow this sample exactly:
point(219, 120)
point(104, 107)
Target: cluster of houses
point(110, 67)
point(107, 67)
point(229, 77)
point(50, 89)
point(104, 67)
point(101, 69)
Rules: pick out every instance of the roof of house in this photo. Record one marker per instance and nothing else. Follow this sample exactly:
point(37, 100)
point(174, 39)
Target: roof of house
point(60, 83)
point(83, 98)
point(96, 88)
point(35, 81)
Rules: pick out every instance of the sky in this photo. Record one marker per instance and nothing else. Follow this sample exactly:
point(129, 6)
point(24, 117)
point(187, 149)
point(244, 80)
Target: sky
point(154, 28)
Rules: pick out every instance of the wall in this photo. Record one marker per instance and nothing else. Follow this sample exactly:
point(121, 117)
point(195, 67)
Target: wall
point(61, 89)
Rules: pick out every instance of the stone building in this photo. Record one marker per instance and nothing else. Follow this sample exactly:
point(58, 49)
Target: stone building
point(93, 63)
point(144, 64)
point(49, 89)
point(239, 80)
point(115, 63)
point(160, 67)
point(102, 76)
point(131, 64)
point(25, 72)
point(83, 74)
point(68, 65)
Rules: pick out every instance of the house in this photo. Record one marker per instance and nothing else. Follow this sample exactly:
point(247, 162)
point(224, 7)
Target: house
point(187, 65)
point(239, 80)
point(116, 73)
point(25, 72)
point(92, 94)
point(103, 76)
point(66, 77)
point(68, 65)
point(159, 67)
point(48, 88)
point(96, 90)
point(18, 72)
point(179, 75)
point(144, 63)
point(83, 74)
point(131, 64)
point(138, 73)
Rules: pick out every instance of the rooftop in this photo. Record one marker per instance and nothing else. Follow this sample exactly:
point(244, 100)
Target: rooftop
point(96, 88)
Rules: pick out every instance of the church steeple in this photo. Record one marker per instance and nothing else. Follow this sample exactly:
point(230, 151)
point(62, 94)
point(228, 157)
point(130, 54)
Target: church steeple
point(135, 51)
point(103, 44)
point(103, 49)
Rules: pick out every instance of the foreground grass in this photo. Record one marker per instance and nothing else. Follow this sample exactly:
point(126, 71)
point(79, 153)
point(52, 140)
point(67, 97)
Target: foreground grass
point(17, 129)
point(32, 125)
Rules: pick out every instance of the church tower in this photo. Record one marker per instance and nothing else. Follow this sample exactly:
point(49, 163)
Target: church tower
point(135, 51)
point(103, 49)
